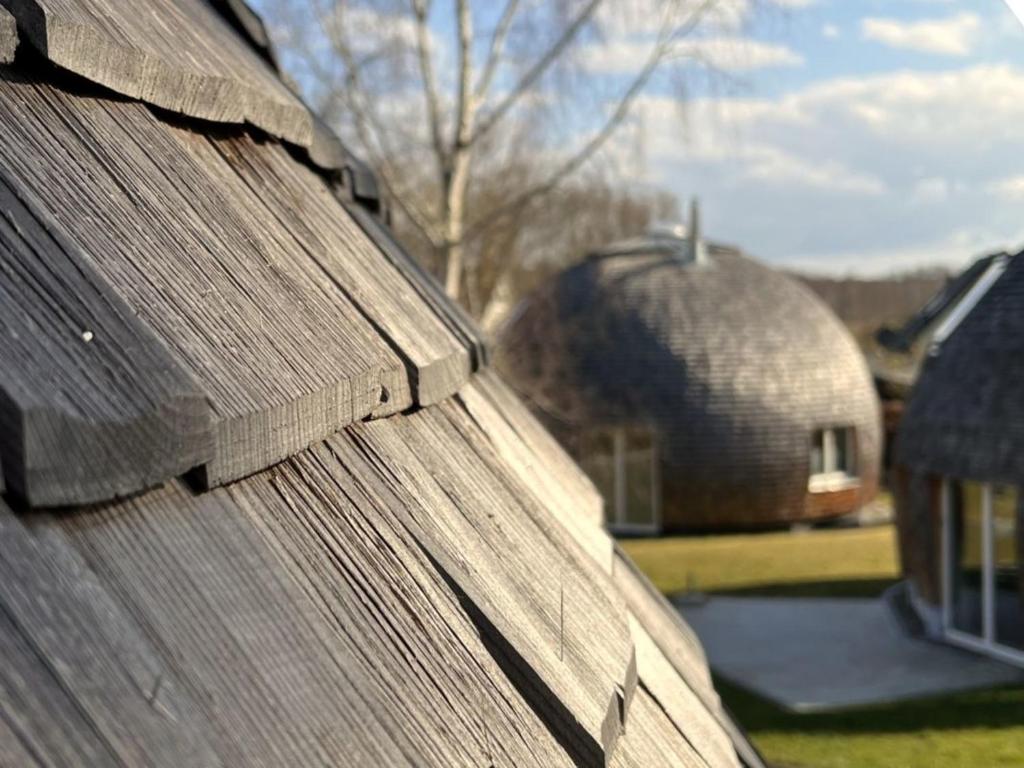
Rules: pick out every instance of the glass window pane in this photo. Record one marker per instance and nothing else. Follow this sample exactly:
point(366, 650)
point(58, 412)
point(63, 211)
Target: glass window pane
point(640, 501)
point(966, 520)
point(842, 452)
point(597, 459)
point(1009, 586)
point(817, 452)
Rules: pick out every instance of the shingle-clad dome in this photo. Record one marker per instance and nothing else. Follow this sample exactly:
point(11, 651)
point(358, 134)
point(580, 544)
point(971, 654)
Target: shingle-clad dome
point(735, 367)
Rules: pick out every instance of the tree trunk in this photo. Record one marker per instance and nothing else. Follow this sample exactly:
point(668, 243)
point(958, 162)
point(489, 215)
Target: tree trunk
point(457, 182)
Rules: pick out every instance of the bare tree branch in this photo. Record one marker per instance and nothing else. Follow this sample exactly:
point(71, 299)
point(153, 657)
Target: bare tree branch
point(466, 104)
point(370, 130)
point(662, 49)
point(535, 72)
point(434, 152)
point(496, 48)
point(421, 11)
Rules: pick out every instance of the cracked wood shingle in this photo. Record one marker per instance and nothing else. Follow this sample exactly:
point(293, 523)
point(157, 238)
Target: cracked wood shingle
point(284, 356)
point(180, 55)
point(92, 404)
point(684, 707)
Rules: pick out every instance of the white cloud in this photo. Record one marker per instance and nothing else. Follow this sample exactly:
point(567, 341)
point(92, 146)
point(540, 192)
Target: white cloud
point(729, 54)
point(1011, 188)
point(953, 36)
point(642, 19)
point(830, 31)
point(931, 190)
point(874, 173)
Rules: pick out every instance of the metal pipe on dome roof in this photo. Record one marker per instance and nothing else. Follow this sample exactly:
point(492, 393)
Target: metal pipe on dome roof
point(698, 252)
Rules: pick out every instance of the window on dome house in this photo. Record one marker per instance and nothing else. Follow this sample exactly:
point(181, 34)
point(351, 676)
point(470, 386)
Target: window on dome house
point(833, 458)
point(623, 463)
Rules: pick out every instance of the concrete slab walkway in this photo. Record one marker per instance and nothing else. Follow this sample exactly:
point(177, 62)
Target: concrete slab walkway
point(815, 655)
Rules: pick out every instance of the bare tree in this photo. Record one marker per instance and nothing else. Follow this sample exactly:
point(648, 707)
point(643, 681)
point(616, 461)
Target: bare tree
point(442, 112)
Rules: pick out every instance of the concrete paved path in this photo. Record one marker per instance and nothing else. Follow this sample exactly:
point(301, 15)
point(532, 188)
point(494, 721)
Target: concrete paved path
point(811, 654)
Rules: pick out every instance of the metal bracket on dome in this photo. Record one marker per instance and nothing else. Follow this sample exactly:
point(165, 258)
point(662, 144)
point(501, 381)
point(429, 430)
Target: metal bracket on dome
point(677, 240)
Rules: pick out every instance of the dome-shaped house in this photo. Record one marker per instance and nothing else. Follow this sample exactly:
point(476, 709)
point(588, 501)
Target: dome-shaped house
point(700, 389)
point(959, 466)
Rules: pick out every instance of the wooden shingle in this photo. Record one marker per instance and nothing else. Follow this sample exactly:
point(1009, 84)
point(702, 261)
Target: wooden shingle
point(80, 683)
point(92, 404)
point(548, 605)
point(284, 355)
point(180, 55)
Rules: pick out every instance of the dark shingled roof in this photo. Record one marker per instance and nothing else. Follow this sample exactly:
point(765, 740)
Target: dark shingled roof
point(732, 363)
point(263, 503)
point(966, 413)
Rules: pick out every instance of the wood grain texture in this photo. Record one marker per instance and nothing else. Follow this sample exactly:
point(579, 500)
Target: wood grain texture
point(558, 623)
point(290, 202)
point(284, 354)
point(8, 36)
point(92, 404)
point(687, 711)
point(304, 617)
point(309, 626)
point(177, 54)
point(676, 645)
point(542, 466)
point(80, 685)
point(429, 290)
point(651, 740)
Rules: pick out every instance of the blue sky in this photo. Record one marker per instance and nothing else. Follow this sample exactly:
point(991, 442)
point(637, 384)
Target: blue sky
point(864, 136)
point(849, 137)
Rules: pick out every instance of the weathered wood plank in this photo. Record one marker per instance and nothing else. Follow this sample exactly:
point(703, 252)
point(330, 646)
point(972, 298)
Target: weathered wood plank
point(8, 36)
point(308, 626)
point(546, 604)
point(651, 739)
point(540, 463)
point(287, 200)
point(177, 54)
point(92, 405)
point(458, 322)
point(285, 357)
point(684, 708)
point(677, 644)
point(80, 683)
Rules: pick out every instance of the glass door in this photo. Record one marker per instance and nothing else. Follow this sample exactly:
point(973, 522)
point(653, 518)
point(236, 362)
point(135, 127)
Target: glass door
point(982, 586)
point(1009, 587)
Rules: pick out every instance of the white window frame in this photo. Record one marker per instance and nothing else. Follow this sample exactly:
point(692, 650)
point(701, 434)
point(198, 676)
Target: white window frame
point(617, 511)
point(987, 643)
point(834, 478)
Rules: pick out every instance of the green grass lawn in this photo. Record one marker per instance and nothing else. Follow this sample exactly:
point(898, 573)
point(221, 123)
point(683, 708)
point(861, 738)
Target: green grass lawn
point(976, 729)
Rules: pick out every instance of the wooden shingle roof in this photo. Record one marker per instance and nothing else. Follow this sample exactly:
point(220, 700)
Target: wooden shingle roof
point(965, 418)
point(731, 364)
point(263, 502)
